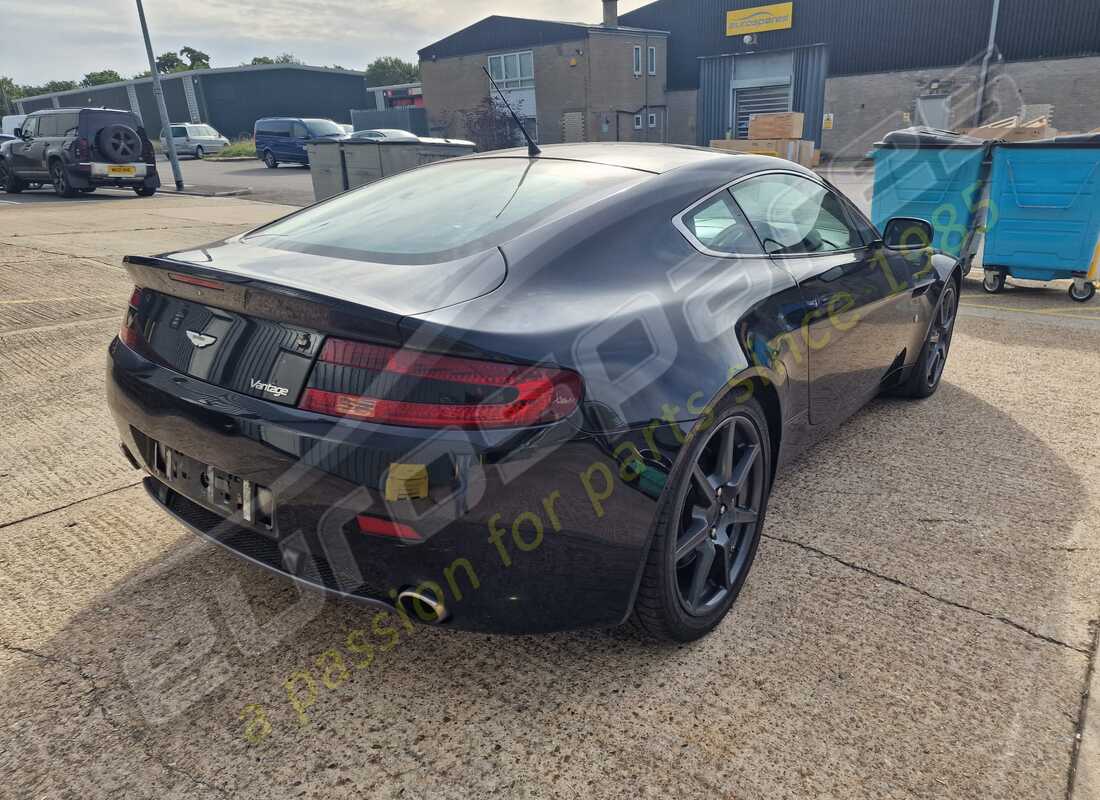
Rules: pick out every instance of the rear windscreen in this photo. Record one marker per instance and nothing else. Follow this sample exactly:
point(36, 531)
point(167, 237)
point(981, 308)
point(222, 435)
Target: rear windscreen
point(445, 211)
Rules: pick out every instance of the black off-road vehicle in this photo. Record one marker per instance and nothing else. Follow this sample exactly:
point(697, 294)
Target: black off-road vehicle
point(79, 149)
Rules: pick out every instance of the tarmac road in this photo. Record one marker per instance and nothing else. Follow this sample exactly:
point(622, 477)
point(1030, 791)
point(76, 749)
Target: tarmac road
point(920, 622)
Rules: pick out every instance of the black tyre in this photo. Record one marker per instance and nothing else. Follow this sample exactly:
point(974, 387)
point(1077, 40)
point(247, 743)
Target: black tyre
point(269, 159)
point(119, 143)
point(994, 282)
point(8, 182)
point(925, 378)
point(199, 153)
point(145, 191)
point(60, 179)
point(708, 527)
point(1084, 295)
point(88, 190)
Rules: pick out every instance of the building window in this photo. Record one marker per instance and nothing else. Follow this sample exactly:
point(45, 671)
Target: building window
point(652, 62)
point(513, 70)
point(653, 120)
point(637, 60)
point(637, 122)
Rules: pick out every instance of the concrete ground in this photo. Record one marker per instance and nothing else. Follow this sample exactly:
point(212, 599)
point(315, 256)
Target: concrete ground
point(921, 620)
point(288, 183)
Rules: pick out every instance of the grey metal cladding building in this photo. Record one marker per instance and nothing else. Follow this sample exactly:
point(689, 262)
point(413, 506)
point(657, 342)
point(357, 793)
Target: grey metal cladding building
point(859, 67)
point(880, 35)
point(231, 99)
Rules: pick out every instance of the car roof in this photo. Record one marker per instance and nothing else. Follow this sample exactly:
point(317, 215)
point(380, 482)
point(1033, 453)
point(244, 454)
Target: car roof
point(655, 158)
point(76, 109)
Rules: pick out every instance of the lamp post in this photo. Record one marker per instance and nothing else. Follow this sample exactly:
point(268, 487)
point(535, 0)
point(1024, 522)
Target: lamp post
point(159, 95)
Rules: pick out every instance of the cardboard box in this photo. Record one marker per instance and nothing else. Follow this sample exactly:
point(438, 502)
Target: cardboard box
point(777, 126)
point(801, 151)
point(1014, 134)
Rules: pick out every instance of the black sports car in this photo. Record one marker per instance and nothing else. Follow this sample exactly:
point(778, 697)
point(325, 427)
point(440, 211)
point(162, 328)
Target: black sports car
point(520, 394)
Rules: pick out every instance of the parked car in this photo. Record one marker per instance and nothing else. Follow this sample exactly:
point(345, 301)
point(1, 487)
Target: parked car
point(386, 135)
point(193, 140)
point(79, 149)
point(346, 128)
point(522, 394)
point(283, 139)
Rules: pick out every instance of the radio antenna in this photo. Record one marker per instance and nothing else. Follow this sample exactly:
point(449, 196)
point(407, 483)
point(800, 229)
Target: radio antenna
point(532, 148)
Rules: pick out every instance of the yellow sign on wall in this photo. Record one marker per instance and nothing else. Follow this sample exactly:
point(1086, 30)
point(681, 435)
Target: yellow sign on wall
point(775, 17)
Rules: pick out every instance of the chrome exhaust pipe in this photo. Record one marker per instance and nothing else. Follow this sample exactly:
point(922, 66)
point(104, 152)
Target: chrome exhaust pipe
point(422, 606)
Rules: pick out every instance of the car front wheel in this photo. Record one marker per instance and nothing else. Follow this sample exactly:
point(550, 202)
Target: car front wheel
point(269, 160)
point(8, 182)
point(199, 152)
point(60, 179)
point(926, 375)
point(708, 527)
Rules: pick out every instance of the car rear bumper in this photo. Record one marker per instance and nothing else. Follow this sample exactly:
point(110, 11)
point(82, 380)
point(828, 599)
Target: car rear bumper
point(522, 533)
point(99, 174)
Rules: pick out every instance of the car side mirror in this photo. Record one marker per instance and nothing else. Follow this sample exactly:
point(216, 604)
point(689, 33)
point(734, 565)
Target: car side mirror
point(908, 233)
point(18, 133)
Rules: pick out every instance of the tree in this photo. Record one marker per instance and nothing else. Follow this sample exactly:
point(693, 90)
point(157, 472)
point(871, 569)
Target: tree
point(491, 127)
point(196, 59)
point(8, 92)
point(260, 60)
point(287, 58)
point(103, 76)
point(169, 62)
point(46, 88)
point(388, 70)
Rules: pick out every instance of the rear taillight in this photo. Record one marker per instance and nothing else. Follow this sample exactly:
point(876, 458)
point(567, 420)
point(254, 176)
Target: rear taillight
point(376, 526)
point(83, 150)
point(129, 333)
point(410, 387)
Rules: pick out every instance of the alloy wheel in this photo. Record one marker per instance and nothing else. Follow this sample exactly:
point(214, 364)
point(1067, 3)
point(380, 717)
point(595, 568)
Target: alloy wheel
point(720, 517)
point(939, 337)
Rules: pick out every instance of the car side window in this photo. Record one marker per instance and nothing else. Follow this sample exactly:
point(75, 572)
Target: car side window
point(47, 125)
point(179, 132)
point(67, 124)
point(719, 226)
point(298, 130)
point(793, 215)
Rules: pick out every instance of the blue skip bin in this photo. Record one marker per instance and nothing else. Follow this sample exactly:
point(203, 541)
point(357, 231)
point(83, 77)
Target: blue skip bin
point(1045, 214)
point(931, 175)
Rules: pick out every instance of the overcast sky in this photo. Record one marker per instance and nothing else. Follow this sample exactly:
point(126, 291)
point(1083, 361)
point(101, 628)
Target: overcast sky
point(52, 40)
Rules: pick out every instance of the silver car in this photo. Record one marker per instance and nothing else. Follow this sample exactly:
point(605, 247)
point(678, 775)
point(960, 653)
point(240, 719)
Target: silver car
point(194, 140)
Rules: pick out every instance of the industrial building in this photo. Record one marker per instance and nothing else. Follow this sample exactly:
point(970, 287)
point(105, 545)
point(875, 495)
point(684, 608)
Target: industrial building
point(231, 99)
point(855, 68)
point(571, 81)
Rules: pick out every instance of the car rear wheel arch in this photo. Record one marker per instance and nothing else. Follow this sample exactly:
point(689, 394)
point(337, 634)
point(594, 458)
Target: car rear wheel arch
point(755, 384)
point(650, 612)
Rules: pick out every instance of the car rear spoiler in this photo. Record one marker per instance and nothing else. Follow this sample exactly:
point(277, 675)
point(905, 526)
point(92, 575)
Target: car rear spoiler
point(257, 298)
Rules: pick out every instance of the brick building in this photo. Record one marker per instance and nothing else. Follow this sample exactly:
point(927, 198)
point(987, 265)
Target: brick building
point(575, 82)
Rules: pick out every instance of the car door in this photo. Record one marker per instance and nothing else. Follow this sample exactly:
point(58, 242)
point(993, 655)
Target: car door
point(280, 140)
point(854, 325)
point(179, 138)
point(23, 151)
point(298, 136)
